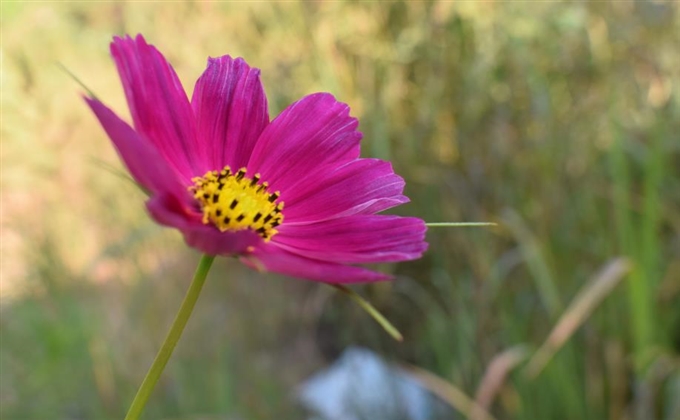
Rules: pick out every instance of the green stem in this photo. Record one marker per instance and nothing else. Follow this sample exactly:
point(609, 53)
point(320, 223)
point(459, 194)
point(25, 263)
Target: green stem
point(374, 313)
point(171, 340)
point(459, 224)
point(75, 78)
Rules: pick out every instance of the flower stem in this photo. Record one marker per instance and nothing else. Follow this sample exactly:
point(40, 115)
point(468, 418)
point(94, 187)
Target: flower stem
point(171, 340)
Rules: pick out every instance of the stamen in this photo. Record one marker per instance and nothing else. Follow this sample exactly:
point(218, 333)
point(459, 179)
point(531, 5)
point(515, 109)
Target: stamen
point(274, 196)
point(241, 173)
point(233, 201)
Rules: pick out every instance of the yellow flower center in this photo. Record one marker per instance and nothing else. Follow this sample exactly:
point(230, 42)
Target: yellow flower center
point(233, 201)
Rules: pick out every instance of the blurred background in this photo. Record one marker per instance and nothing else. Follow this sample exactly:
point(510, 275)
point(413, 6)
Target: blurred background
point(557, 120)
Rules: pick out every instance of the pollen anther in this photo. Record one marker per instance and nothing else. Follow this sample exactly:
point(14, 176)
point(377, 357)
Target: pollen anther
point(233, 201)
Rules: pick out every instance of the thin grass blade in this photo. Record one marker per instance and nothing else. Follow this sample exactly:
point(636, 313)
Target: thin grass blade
point(585, 302)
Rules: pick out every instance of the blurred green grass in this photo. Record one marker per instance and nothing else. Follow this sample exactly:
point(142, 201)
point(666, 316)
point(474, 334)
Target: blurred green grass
point(560, 121)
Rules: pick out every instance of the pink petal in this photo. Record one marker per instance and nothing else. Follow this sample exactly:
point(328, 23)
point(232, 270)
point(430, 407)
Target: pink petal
point(356, 239)
point(231, 110)
point(158, 104)
point(170, 204)
point(167, 210)
point(363, 186)
point(308, 135)
point(144, 162)
point(269, 257)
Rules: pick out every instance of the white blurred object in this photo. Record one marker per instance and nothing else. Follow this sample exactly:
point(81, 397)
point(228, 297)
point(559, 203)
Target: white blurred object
point(362, 386)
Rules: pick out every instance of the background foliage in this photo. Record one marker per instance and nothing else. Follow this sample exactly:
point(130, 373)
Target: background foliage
point(558, 120)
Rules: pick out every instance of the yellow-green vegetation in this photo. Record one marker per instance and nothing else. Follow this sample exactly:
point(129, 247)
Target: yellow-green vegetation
point(558, 120)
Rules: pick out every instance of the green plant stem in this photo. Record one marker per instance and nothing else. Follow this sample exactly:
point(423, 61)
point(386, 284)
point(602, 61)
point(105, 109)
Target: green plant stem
point(171, 340)
point(374, 313)
point(459, 224)
point(75, 78)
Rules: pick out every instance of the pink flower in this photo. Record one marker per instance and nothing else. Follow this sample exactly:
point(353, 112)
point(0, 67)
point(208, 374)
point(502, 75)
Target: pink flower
point(218, 170)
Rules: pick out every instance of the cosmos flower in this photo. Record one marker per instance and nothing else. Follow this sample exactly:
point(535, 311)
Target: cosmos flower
point(290, 195)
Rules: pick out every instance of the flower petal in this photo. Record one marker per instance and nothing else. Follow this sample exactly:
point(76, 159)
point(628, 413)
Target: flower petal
point(167, 210)
point(356, 239)
point(141, 158)
point(363, 186)
point(231, 109)
point(308, 135)
point(158, 104)
point(269, 257)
